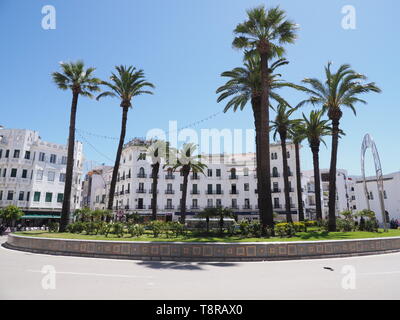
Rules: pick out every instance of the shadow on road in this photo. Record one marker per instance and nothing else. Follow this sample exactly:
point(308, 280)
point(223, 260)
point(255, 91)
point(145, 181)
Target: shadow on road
point(183, 265)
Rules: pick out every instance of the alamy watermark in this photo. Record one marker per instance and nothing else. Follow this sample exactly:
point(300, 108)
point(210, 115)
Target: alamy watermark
point(349, 20)
point(49, 19)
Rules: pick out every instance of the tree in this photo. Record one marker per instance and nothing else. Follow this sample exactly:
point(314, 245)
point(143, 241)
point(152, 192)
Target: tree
point(264, 32)
point(126, 84)
point(208, 213)
point(314, 129)
point(245, 85)
point(187, 162)
point(297, 138)
point(282, 126)
point(10, 214)
point(157, 151)
point(340, 89)
point(80, 81)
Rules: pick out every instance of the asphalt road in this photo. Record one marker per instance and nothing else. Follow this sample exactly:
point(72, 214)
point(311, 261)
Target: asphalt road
point(368, 277)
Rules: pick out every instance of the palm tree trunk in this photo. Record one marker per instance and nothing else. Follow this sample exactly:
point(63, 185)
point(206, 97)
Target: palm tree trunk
point(69, 175)
point(298, 183)
point(317, 181)
point(265, 170)
point(332, 176)
point(256, 105)
point(118, 156)
point(155, 170)
point(186, 172)
point(285, 176)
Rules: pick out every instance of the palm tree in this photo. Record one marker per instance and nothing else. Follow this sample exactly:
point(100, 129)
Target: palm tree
point(282, 126)
point(340, 89)
point(125, 85)
point(80, 81)
point(208, 213)
point(158, 151)
point(245, 85)
point(186, 161)
point(314, 129)
point(297, 138)
point(265, 33)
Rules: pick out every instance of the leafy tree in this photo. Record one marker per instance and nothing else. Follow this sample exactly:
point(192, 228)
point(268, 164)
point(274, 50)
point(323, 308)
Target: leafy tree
point(339, 89)
point(10, 214)
point(264, 32)
point(126, 84)
point(80, 81)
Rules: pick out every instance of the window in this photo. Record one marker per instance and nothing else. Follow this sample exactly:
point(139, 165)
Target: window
point(13, 173)
point(209, 172)
point(209, 203)
point(16, 154)
point(49, 196)
point(27, 155)
point(194, 203)
point(234, 203)
point(275, 172)
point(142, 156)
point(181, 187)
point(384, 194)
point(288, 155)
point(62, 177)
point(21, 196)
point(53, 158)
point(60, 197)
point(209, 188)
point(246, 187)
point(218, 203)
point(24, 173)
point(42, 156)
point(246, 172)
point(4, 172)
point(50, 176)
point(39, 175)
point(28, 195)
point(7, 153)
point(1, 153)
point(64, 160)
point(219, 191)
point(218, 172)
point(1, 194)
point(10, 195)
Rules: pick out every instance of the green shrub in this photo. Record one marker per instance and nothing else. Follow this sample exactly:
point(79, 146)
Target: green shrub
point(53, 226)
point(135, 230)
point(255, 229)
point(244, 228)
point(105, 229)
point(177, 228)
point(285, 229)
point(300, 226)
point(371, 225)
point(311, 223)
point(118, 229)
point(156, 227)
point(89, 227)
point(345, 225)
point(77, 227)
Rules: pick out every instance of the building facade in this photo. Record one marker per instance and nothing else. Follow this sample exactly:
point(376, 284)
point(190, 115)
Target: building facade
point(32, 173)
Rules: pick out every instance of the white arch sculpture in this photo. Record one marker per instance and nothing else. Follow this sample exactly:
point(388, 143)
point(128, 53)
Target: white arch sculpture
point(368, 142)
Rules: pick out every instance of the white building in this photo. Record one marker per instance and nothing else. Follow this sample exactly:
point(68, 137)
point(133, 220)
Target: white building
point(95, 187)
point(32, 173)
point(229, 181)
point(391, 195)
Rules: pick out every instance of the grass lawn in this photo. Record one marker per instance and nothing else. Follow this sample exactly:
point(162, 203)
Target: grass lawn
point(312, 234)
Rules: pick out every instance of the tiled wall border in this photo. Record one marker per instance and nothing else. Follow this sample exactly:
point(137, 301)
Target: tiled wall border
point(185, 251)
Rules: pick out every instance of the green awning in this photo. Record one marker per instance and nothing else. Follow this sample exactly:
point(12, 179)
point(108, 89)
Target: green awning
point(37, 216)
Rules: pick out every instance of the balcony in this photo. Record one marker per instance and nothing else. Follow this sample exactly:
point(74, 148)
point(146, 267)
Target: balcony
point(151, 176)
point(169, 207)
point(140, 191)
point(214, 192)
point(275, 175)
point(277, 206)
point(169, 191)
point(233, 177)
point(127, 191)
point(247, 207)
point(234, 192)
point(276, 190)
point(234, 206)
point(195, 192)
point(151, 191)
point(140, 207)
point(192, 177)
point(141, 175)
point(169, 177)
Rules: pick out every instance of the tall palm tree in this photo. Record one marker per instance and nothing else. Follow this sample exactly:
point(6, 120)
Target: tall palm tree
point(340, 89)
point(265, 32)
point(314, 128)
point(245, 85)
point(297, 138)
point(75, 77)
point(187, 162)
point(282, 126)
point(126, 84)
point(158, 151)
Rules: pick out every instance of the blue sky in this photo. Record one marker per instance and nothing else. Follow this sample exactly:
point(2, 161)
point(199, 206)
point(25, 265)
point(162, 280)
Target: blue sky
point(183, 46)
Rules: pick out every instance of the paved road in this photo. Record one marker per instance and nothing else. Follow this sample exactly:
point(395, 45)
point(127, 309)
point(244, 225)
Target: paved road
point(21, 277)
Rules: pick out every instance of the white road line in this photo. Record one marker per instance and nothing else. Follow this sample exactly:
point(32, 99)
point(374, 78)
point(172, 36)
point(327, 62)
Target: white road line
point(97, 274)
point(378, 273)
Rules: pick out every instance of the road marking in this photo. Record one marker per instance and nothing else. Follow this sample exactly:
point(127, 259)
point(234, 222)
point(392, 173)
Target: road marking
point(378, 273)
point(96, 274)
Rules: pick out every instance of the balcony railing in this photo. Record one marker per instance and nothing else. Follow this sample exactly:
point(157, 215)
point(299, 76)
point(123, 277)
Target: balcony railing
point(140, 191)
point(233, 177)
point(141, 175)
point(276, 190)
point(194, 207)
point(214, 192)
point(275, 175)
point(234, 192)
point(192, 177)
point(127, 191)
point(169, 191)
point(194, 192)
point(169, 177)
point(277, 206)
point(234, 206)
point(151, 207)
point(151, 176)
point(151, 191)
point(247, 206)
point(169, 207)
point(140, 207)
